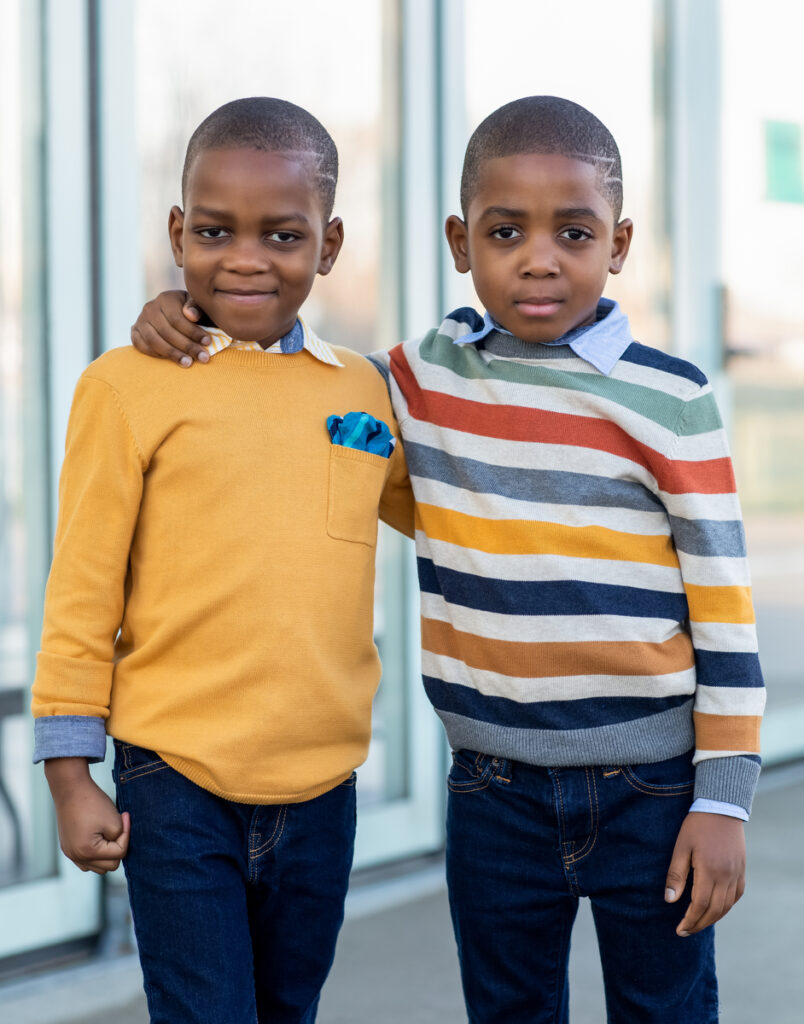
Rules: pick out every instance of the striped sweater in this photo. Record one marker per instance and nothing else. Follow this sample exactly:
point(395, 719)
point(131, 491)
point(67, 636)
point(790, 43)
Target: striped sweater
point(581, 557)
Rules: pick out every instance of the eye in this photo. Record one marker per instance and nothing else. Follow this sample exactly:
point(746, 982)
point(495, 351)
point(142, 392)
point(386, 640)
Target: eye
point(506, 232)
point(283, 236)
point(212, 233)
point(575, 234)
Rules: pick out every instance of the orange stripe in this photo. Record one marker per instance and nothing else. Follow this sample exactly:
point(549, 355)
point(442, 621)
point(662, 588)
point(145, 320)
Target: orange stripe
point(720, 604)
point(722, 732)
point(539, 660)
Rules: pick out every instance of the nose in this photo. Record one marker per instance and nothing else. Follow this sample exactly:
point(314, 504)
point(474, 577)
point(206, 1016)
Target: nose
point(539, 257)
point(246, 256)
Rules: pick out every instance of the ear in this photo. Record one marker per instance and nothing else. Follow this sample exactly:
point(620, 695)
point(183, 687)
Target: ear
point(330, 246)
point(620, 244)
point(458, 239)
point(175, 230)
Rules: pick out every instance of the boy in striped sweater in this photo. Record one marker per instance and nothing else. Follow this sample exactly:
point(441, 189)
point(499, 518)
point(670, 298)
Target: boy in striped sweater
point(587, 630)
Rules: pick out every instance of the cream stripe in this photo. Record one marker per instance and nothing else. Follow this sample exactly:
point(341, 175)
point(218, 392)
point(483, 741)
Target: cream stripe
point(550, 567)
point(730, 700)
point(546, 628)
point(546, 688)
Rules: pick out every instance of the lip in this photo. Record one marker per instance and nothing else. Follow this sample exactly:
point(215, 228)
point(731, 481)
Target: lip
point(244, 296)
point(538, 307)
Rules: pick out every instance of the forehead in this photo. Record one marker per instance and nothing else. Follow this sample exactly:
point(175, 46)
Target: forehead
point(542, 181)
point(252, 177)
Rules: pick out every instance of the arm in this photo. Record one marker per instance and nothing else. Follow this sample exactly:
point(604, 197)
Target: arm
point(92, 834)
point(99, 497)
point(729, 697)
point(167, 329)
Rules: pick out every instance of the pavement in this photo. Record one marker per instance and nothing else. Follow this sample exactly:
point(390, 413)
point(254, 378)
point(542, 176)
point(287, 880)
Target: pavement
point(396, 955)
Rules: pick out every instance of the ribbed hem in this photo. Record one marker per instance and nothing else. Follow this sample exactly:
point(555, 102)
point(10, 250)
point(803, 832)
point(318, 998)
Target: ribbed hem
point(642, 741)
point(732, 780)
point(69, 736)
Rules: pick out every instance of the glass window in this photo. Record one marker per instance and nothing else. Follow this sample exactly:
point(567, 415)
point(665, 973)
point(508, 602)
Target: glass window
point(26, 843)
point(763, 267)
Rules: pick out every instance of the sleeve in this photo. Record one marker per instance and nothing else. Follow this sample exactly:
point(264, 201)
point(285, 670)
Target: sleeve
point(99, 498)
point(701, 497)
point(396, 503)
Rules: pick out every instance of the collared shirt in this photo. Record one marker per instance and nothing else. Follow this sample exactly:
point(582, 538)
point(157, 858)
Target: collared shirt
point(601, 344)
point(299, 337)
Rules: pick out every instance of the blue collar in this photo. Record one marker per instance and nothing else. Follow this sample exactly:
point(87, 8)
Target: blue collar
point(601, 344)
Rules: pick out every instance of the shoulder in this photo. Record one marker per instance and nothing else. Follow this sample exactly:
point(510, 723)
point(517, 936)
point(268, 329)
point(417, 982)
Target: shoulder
point(125, 367)
point(641, 355)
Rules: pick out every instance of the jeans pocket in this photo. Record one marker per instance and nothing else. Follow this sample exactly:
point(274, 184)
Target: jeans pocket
point(132, 762)
point(470, 771)
point(673, 777)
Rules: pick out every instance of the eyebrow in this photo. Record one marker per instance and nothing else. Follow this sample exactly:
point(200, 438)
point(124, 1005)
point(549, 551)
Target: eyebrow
point(294, 217)
point(568, 212)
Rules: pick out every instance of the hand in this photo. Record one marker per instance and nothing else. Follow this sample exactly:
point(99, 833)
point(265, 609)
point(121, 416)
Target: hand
point(91, 831)
point(166, 328)
point(713, 845)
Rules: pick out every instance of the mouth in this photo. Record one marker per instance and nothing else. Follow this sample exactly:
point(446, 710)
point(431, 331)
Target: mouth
point(538, 306)
point(244, 296)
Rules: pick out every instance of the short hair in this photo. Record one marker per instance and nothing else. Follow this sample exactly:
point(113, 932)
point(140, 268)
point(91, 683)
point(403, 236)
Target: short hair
point(274, 126)
point(545, 124)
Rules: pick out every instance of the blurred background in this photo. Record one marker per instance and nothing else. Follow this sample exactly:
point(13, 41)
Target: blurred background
point(97, 101)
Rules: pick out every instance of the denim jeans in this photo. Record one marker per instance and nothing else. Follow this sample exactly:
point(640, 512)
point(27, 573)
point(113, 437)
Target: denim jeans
point(236, 907)
point(525, 843)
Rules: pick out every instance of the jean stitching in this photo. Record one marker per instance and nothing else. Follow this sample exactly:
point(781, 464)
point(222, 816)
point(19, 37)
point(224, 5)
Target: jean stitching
point(470, 787)
point(671, 789)
point(139, 773)
point(126, 749)
point(273, 839)
point(594, 812)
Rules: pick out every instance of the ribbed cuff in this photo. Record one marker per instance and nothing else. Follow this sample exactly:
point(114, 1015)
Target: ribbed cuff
point(69, 736)
point(730, 780)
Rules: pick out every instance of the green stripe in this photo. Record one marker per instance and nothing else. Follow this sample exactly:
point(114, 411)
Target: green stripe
point(700, 416)
point(466, 362)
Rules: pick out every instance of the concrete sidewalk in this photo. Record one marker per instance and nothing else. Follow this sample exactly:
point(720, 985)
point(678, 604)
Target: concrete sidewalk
point(396, 956)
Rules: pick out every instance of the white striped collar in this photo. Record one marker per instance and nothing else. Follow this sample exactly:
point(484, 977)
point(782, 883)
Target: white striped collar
point(299, 337)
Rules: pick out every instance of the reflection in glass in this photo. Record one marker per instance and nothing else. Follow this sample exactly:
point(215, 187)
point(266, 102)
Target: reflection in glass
point(26, 846)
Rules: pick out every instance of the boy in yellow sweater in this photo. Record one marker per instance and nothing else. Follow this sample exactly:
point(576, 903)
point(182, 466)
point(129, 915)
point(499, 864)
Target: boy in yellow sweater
point(233, 660)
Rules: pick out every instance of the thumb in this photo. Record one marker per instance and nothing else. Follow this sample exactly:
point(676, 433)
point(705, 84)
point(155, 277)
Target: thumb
point(123, 838)
point(190, 310)
point(677, 873)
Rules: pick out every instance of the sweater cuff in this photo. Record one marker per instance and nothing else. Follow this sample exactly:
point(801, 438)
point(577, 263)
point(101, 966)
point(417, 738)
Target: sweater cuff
point(69, 736)
point(729, 780)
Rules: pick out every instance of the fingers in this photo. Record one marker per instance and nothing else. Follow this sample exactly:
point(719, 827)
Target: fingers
point(678, 872)
point(169, 343)
point(707, 909)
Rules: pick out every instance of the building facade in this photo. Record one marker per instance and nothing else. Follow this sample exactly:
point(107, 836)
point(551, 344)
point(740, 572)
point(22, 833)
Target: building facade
point(97, 100)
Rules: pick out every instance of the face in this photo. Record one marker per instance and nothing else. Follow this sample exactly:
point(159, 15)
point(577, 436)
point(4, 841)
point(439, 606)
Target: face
point(251, 239)
point(540, 241)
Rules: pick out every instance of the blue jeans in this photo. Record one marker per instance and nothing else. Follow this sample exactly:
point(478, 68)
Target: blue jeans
point(236, 907)
point(524, 843)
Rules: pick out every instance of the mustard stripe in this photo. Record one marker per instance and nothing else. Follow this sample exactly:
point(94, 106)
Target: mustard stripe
point(532, 537)
point(719, 604)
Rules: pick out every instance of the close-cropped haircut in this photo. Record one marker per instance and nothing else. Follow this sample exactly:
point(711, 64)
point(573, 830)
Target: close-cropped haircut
point(273, 126)
point(545, 124)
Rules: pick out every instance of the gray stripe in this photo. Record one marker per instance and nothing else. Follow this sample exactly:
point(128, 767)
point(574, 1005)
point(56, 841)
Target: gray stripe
point(644, 740)
point(732, 780)
point(382, 368)
point(718, 538)
point(548, 486)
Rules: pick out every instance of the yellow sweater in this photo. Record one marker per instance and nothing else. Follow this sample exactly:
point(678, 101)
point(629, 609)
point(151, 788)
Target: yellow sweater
point(212, 584)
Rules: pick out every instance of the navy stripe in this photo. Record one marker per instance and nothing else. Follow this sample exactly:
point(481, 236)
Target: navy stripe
point(589, 713)
point(712, 538)
point(552, 597)
point(554, 487)
point(470, 317)
point(642, 355)
point(381, 368)
point(728, 668)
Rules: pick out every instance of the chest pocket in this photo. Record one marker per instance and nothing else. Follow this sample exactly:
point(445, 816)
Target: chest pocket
point(356, 480)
